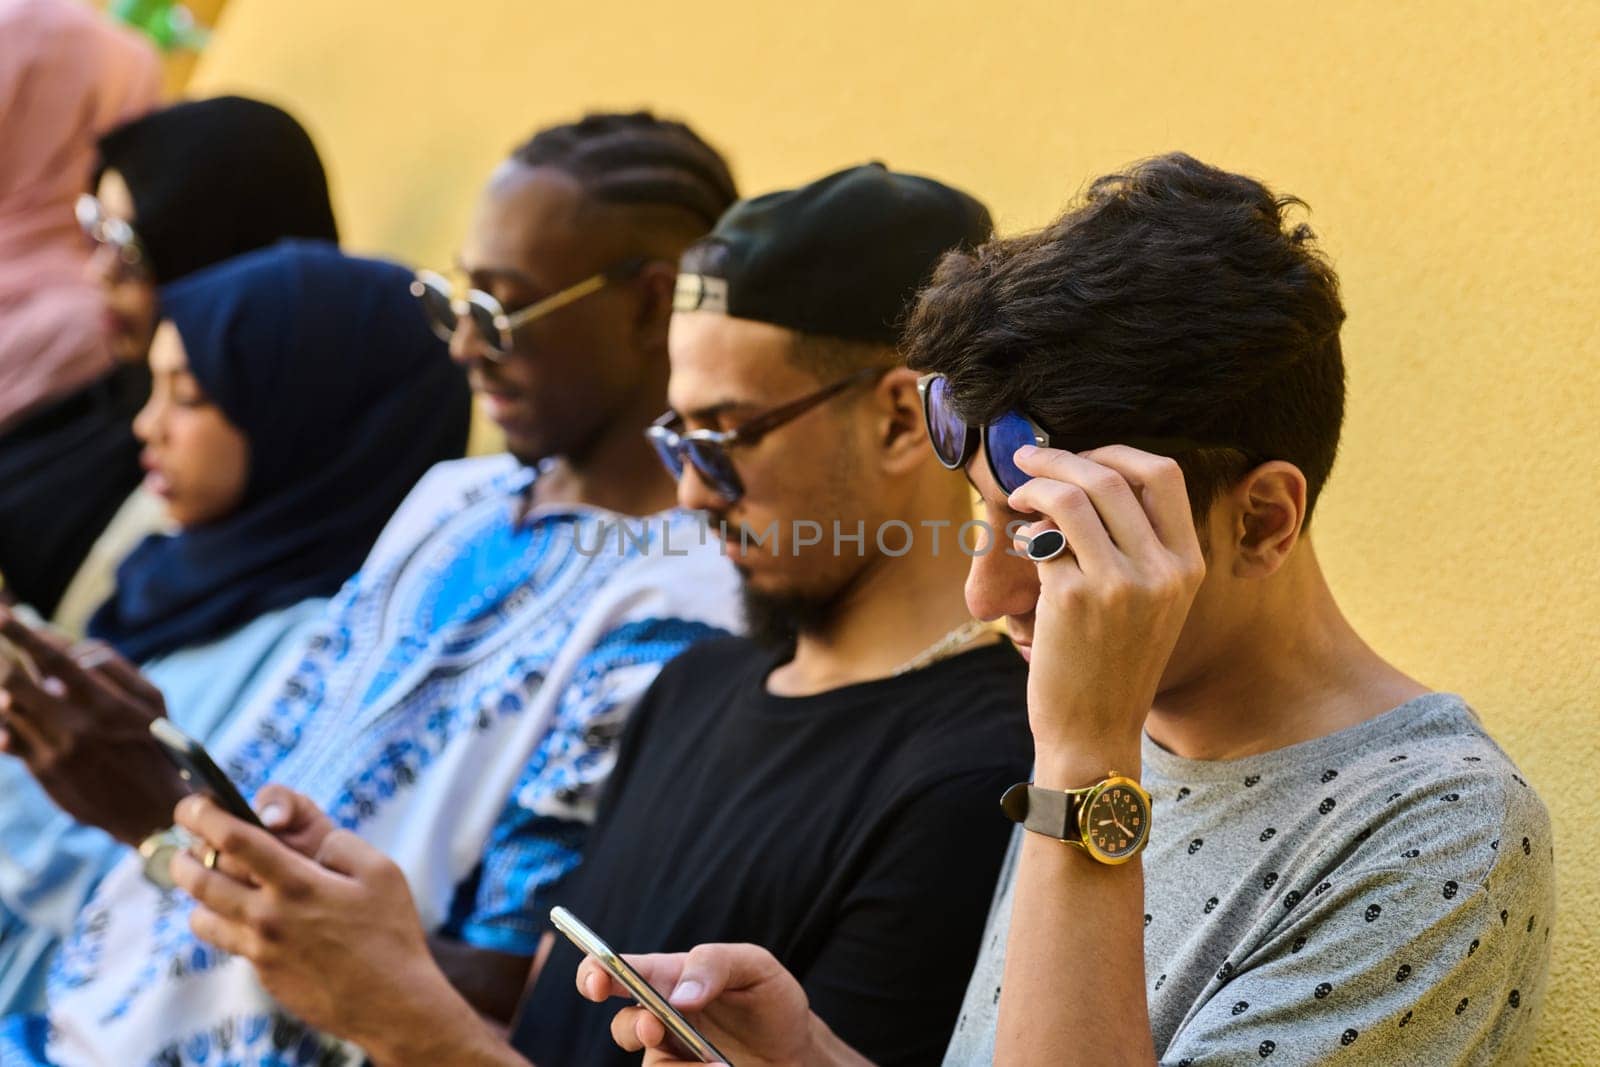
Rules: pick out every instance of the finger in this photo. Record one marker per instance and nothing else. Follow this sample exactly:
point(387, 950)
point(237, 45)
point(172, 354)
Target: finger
point(660, 969)
point(293, 818)
point(228, 865)
point(43, 631)
point(595, 982)
point(344, 853)
point(1114, 500)
point(709, 971)
point(97, 656)
point(91, 655)
point(649, 1030)
point(592, 983)
point(53, 661)
point(283, 810)
point(661, 1050)
point(10, 668)
point(625, 1029)
point(1164, 495)
point(231, 937)
point(1023, 535)
point(29, 708)
point(22, 738)
point(219, 892)
point(1069, 509)
point(262, 857)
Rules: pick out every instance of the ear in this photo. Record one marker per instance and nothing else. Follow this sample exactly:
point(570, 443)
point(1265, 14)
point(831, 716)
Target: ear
point(901, 431)
point(656, 282)
point(1269, 506)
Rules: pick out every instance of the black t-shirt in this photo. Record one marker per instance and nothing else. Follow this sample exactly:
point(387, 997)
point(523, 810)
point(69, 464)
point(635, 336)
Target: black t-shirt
point(857, 834)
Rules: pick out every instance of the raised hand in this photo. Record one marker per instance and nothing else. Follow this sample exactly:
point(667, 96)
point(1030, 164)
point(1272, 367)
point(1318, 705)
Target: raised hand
point(1110, 610)
point(83, 729)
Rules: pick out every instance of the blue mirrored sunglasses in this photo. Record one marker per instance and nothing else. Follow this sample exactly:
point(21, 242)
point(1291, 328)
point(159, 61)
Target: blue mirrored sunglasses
point(955, 441)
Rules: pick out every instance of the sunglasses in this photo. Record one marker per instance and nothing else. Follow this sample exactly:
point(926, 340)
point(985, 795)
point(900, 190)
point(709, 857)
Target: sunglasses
point(445, 308)
point(707, 450)
point(113, 233)
point(955, 441)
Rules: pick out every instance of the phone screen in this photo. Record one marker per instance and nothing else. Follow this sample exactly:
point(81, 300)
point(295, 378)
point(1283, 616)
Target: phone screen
point(689, 1041)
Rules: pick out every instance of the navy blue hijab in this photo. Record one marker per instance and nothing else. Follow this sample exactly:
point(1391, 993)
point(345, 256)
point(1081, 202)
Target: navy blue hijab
point(325, 364)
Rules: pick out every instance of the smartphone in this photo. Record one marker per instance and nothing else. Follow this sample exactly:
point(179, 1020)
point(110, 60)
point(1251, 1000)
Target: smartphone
point(200, 771)
point(689, 1041)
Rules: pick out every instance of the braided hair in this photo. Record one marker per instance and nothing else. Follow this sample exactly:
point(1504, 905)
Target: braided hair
point(637, 159)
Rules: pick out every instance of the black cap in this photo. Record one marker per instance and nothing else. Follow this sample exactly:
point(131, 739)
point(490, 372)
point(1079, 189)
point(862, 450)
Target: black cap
point(841, 257)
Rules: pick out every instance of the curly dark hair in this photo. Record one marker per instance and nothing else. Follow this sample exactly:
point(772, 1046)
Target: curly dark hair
point(1174, 301)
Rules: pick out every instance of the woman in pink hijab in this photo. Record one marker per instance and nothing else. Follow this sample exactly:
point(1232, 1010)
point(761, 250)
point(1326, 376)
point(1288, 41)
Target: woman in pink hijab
point(67, 76)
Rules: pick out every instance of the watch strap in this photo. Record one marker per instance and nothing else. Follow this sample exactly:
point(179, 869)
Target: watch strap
point(1051, 812)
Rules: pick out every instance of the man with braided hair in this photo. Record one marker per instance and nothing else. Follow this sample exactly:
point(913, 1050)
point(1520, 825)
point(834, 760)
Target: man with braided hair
point(630, 193)
point(458, 705)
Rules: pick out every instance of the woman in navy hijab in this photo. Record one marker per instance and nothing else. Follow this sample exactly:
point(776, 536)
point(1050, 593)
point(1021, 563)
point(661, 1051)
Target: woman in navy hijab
point(298, 396)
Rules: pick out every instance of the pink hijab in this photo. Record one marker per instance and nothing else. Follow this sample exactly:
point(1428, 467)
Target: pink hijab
point(67, 75)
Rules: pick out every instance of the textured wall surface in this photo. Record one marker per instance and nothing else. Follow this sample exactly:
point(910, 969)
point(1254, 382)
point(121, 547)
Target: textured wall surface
point(1449, 152)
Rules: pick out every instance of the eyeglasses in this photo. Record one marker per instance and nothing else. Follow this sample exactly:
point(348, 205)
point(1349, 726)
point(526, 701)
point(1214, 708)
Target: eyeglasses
point(955, 441)
point(707, 450)
point(113, 233)
point(445, 304)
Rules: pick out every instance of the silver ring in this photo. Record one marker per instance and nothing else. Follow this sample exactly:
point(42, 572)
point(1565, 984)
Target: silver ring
point(1046, 545)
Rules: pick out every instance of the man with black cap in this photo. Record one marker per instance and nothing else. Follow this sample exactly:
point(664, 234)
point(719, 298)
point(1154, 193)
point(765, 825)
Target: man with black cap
point(833, 783)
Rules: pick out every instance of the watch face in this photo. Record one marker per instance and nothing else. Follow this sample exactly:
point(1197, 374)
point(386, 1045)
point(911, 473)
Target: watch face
point(1116, 822)
point(158, 861)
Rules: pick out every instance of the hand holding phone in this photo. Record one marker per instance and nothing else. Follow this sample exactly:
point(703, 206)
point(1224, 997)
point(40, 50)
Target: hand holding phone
point(83, 732)
point(689, 1041)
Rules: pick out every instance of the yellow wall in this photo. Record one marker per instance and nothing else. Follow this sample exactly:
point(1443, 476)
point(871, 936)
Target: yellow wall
point(1449, 153)
point(177, 67)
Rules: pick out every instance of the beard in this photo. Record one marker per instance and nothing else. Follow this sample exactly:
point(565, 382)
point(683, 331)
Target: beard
point(775, 620)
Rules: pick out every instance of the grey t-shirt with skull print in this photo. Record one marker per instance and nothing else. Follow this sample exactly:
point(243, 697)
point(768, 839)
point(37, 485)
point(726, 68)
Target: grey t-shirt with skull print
point(1382, 895)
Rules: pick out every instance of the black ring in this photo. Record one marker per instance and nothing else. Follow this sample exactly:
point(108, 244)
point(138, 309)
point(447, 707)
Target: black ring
point(1046, 545)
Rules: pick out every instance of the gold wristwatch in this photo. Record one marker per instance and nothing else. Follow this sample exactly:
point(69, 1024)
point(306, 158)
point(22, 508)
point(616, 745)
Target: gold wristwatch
point(1110, 820)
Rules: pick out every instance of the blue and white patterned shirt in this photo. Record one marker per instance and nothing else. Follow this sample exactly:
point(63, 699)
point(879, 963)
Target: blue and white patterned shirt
point(457, 708)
